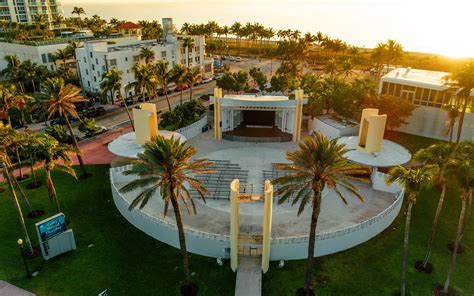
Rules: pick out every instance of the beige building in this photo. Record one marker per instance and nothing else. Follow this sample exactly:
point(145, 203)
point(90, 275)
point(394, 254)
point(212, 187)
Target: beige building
point(25, 11)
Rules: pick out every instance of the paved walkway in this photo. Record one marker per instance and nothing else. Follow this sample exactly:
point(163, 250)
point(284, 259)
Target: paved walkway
point(7, 289)
point(248, 281)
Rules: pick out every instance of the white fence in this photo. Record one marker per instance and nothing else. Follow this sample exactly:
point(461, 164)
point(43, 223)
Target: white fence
point(194, 129)
point(217, 245)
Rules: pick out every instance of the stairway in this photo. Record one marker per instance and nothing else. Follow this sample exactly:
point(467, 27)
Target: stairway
point(248, 281)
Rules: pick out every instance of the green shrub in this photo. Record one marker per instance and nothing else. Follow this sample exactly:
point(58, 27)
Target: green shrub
point(58, 132)
point(88, 127)
point(182, 115)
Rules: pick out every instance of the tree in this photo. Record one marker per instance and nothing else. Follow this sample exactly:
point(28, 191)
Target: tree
point(112, 82)
point(88, 127)
point(318, 164)
point(438, 155)
point(193, 76)
point(166, 166)
point(144, 80)
point(461, 170)
point(60, 100)
point(12, 100)
point(55, 157)
point(147, 54)
point(163, 75)
point(452, 108)
point(178, 76)
point(30, 71)
point(13, 71)
point(397, 109)
point(413, 181)
point(78, 11)
point(5, 163)
point(258, 77)
point(463, 78)
point(347, 67)
point(331, 67)
point(63, 55)
point(188, 43)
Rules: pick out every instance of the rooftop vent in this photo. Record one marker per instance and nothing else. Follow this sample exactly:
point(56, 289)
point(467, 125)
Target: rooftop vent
point(407, 72)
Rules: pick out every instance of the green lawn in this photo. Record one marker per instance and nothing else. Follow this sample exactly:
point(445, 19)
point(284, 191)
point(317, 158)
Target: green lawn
point(128, 262)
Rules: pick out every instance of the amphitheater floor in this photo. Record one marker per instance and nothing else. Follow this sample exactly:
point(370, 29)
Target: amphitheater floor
point(213, 216)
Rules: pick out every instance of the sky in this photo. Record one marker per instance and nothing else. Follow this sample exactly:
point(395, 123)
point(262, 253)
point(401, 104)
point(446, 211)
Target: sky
point(437, 26)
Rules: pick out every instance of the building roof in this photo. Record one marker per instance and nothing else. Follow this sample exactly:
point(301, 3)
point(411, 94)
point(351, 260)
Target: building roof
point(128, 26)
point(337, 122)
point(421, 78)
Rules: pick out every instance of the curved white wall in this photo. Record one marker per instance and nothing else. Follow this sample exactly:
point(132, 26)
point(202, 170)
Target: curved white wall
point(194, 129)
point(214, 245)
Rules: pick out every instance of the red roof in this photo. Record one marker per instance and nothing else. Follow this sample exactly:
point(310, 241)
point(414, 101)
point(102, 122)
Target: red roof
point(129, 25)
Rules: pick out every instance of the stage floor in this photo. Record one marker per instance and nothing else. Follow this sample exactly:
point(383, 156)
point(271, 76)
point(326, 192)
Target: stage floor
point(268, 134)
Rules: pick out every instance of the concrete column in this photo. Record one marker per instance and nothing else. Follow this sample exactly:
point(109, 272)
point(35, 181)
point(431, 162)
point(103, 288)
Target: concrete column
point(217, 113)
point(234, 224)
point(298, 115)
point(267, 225)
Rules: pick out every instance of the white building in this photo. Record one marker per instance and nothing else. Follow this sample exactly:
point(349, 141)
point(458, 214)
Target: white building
point(97, 57)
point(42, 52)
point(428, 91)
point(25, 11)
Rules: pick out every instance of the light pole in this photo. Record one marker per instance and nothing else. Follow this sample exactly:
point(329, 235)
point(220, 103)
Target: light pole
point(20, 244)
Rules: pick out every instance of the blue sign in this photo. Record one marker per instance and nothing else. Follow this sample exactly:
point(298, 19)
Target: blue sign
point(52, 227)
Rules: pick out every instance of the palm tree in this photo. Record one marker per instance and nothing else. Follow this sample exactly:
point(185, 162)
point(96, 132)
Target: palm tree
point(193, 76)
point(331, 67)
point(463, 78)
point(144, 81)
point(178, 76)
point(60, 100)
point(452, 108)
point(5, 163)
point(112, 82)
point(347, 67)
point(318, 164)
point(147, 54)
point(413, 180)
point(166, 166)
point(62, 55)
point(56, 157)
point(462, 171)
point(438, 155)
point(163, 75)
point(78, 11)
point(236, 29)
point(30, 70)
point(189, 44)
point(12, 70)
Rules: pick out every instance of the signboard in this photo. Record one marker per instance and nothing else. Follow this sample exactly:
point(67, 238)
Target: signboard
point(51, 227)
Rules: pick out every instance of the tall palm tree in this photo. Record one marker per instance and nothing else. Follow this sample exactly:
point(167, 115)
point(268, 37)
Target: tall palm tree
point(112, 82)
point(55, 157)
point(452, 108)
point(318, 164)
point(188, 43)
point(163, 75)
point(78, 11)
point(62, 55)
point(147, 54)
point(463, 78)
point(30, 70)
point(236, 29)
point(166, 166)
point(413, 181)
point(331, 67)
point(462, 171)
point(13, 70)
point(144, 81)
point(178, 76)
point(5, 164)
point(193, 76)
point(347, 67)
point(438, 155)
point(60, 100)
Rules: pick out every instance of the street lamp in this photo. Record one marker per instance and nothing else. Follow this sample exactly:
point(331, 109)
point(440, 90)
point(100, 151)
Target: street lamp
point(20, 244)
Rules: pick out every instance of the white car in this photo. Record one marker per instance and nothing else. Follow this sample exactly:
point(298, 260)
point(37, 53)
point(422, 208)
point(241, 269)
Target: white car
point(231, 58)
point(238, 59)
point(206, 80)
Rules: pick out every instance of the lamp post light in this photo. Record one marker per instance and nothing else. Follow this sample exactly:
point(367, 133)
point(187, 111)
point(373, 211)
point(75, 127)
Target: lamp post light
point(20, 244)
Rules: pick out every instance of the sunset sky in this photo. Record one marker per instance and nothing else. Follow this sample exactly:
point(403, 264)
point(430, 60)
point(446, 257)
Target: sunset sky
point(437, 26)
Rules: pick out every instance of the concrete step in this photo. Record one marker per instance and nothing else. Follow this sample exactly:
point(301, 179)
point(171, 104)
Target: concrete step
point(248, 281)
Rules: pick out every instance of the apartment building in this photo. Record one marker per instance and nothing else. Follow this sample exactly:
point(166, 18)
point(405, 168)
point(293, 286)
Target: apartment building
point(429, 91)
point(25, 11)
point(97, 57)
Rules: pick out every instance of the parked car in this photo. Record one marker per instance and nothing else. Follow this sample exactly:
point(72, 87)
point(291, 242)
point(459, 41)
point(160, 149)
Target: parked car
point(238, 59)
point(128, 101)
point(61, 120)
point(181, 87)
point(206, 80)
point(218, 75)
point(93, 112)
point(231, 58)
point(161, 92)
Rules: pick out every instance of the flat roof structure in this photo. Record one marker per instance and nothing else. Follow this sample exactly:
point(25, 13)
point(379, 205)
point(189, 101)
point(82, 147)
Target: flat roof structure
point(390, 155)
point(419, 78)
point(126, 145)
point(337, 122)
point(257, 101)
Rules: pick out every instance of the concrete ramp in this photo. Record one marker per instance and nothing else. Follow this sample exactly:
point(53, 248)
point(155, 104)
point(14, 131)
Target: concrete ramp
point(248, 281)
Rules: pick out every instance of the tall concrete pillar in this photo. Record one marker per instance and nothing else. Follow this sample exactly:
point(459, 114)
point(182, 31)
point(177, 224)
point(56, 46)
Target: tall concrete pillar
point(217, 113)
point(298, 115)
point(234, 224)
point(267, 225)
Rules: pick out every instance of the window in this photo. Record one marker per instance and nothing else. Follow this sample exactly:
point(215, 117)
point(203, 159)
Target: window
point(128, 71)
point(126, 59)
point(96, 61)
point(87, 72)
point(103, 69)
point(163, 54)
point(98, 74)
point(91, 55)
point(43, 57)
point(136, 59)
point(84, 60)
point(93, 68)
point(398, 88)
point(113, 62)
point(88, 83)
point(50, 58)
point(95, 79)
point(52, 67)
point(384, 88)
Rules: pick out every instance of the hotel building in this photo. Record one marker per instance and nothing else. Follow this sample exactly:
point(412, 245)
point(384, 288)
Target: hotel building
point(25, 11)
